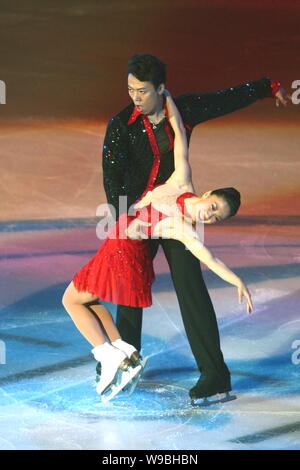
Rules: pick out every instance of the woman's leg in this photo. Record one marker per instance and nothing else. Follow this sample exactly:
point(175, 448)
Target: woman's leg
point(106, 319)
point(113, 333)
point(112, 360)
point(85, 321)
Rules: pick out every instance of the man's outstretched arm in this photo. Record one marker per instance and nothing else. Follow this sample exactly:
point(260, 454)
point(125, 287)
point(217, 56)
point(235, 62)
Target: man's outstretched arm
point(114, 162)
point(200, 107)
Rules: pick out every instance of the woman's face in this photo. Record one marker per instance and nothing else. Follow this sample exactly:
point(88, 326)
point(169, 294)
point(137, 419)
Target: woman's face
point(211, 209)
point(144, 95)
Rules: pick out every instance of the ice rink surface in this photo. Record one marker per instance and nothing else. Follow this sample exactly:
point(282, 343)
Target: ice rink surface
point(48, 397)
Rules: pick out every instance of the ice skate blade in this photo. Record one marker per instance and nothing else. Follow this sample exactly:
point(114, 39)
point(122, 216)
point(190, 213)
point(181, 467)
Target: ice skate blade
point(131, 386)
point(124, 366)
point(208, 401)
point(136, 358)
point(123, 378)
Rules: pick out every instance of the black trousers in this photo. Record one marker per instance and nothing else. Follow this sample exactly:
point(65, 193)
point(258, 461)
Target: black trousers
point(195, 304)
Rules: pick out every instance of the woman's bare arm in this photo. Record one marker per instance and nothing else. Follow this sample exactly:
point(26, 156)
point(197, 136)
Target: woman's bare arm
point(218, 267)
point(182, 176)
point(189, 237)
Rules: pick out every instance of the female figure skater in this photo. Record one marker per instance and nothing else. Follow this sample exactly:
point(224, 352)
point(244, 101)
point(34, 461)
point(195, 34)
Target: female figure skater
point(122, 270)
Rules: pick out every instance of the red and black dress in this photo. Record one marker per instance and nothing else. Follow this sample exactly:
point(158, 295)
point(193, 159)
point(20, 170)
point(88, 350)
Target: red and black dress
point(121, 271)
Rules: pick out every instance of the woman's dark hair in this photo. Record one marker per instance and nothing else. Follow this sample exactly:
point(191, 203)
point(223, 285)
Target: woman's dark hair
point(147, 68)
point(231, 196)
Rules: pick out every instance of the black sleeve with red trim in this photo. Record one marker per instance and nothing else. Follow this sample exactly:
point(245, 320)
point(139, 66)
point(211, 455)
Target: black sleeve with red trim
point(200, 107)
point(114, 161)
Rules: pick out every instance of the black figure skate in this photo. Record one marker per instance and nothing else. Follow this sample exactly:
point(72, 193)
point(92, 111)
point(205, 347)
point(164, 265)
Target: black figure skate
point(211, 390)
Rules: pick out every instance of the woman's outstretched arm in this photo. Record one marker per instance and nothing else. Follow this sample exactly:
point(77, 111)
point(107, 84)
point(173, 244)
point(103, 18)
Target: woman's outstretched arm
point(184, 233)
point(218, 267)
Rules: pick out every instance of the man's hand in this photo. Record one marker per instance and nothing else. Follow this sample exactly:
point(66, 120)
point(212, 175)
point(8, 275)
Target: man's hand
point(134, 230)
point(282, 97)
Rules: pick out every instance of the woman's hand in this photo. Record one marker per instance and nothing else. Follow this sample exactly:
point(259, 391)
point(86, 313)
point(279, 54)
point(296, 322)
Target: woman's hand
point(134, 230)
point(244, 292)
point(145, 201)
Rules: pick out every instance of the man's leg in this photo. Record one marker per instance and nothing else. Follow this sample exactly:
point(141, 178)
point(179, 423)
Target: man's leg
point(129, 324)
point(196, 308)
point(129, 319)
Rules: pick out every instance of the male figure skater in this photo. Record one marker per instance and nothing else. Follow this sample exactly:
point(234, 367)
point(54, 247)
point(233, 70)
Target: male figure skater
point(138, 153)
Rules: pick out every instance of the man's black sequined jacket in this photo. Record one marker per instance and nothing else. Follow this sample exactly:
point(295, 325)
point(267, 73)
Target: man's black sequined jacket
point(127, 154)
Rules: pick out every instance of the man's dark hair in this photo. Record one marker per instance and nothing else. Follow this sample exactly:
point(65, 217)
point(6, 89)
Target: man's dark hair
point(231, 196)
point(147, 68)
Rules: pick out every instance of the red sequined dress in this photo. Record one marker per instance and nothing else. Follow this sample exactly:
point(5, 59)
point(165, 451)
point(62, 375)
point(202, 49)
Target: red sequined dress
point(122, 269)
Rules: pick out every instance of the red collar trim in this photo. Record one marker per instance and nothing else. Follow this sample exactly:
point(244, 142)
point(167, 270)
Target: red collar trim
point(180, 203)
point(135, 113)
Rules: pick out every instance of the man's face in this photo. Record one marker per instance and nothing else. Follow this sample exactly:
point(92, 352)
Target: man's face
point(144, 95)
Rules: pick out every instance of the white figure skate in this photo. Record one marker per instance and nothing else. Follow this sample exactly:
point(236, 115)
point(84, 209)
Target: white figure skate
point(135, 360)
point(122, 378)
point(131, 386)
point(113, 361)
